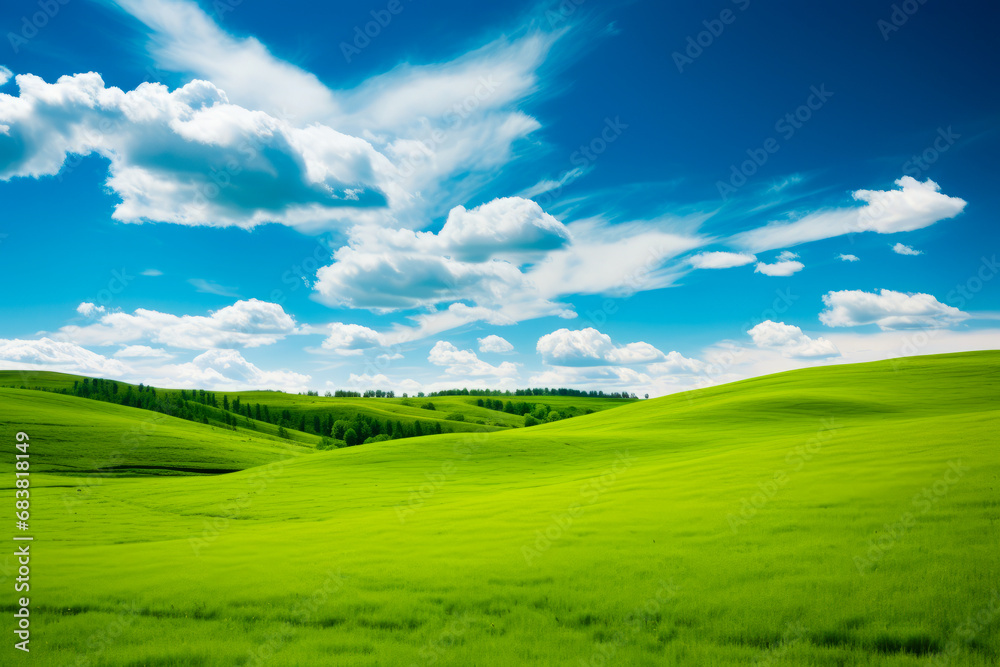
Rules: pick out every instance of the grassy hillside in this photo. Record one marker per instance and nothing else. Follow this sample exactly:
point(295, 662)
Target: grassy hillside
point(454, 413)
point(80, 436)
point(847, 515)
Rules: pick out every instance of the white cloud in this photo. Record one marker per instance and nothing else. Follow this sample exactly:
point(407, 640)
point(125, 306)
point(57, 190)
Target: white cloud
point(151, 273)
point(209, 287)
point(901, 249)
point(443, 128)
point(5, 75)
point(612, 377)
point(505, 228)
point(785, 268)
point(590, 347)
point(848, 258)
point(790, 341)
point(142, 352)
point(494, 344)
point(466, 363)
point(352, 339)
point(88, 309)
point(887, 309)
point(676, 364)
point(226, 369)
point(476, 256)
point(721, 260)
point(53, 355)
point(914, 205)
point(190, 156)
point(787, 255)
point(249, 323)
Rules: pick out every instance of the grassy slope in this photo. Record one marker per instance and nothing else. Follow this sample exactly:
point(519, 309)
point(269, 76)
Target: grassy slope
point(80, 436)
point(407, 410)
point(654, 542)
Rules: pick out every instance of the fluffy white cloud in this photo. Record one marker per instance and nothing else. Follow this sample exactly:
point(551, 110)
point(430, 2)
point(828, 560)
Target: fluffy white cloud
point(590, 347)
point(189, 156)
point(848, 258)
point(386, 269)
point(721, 260)
point(249, 323)
point(226, 369)
point(88, 309)
point(494, 344)
point(54, 355)
point(612, 377)
point(787, 255)
point(791, 341)
point(780, 268)
point(901, 249)
point(914, 205)
point(505, 228)
point(351, 339)
point(676, 364)
point(466, 363)
point(142, 352)
point(5, 75)
point(444, 127)
point(887, 309)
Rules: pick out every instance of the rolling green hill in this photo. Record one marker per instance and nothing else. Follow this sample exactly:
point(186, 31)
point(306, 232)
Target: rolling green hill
point(93, 437)
point(845, 515)
point(451, 413)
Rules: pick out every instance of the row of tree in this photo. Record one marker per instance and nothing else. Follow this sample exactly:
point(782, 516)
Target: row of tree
point(200, 405)
point(540, 391)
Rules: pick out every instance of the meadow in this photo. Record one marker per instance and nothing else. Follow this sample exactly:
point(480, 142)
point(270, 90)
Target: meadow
point(844, 515)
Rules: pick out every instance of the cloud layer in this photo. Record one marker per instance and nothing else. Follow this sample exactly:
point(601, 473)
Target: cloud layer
point(888, 309)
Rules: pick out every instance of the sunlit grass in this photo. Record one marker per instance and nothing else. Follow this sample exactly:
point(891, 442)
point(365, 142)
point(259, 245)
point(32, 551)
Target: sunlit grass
point(723, 526)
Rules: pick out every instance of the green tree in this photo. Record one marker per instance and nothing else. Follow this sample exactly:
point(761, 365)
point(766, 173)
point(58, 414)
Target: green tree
point(350, 437)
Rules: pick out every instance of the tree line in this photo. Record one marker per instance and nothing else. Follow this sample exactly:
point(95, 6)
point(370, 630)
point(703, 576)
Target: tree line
point(199, 405)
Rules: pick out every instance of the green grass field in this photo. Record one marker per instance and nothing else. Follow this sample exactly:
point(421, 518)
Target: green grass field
point(846, 515)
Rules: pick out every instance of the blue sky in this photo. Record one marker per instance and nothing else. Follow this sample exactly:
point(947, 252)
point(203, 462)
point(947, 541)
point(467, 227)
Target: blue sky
point(416, 195)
